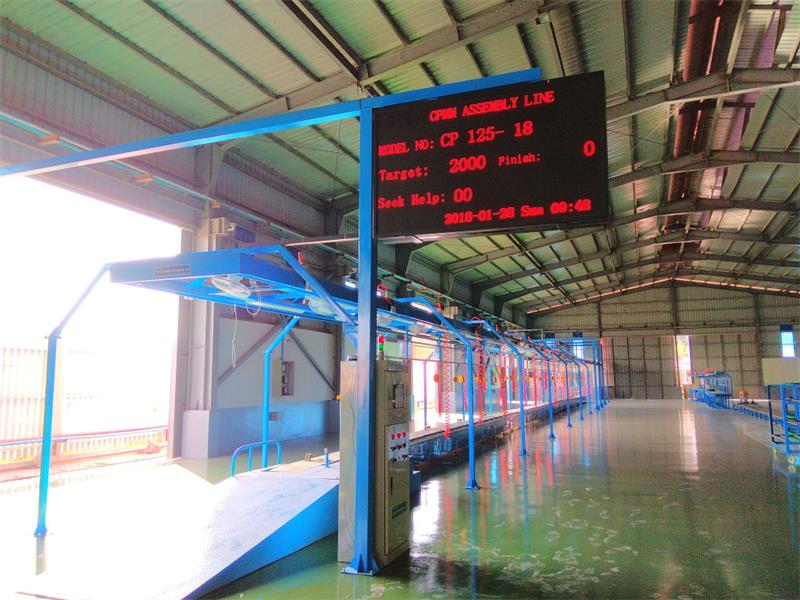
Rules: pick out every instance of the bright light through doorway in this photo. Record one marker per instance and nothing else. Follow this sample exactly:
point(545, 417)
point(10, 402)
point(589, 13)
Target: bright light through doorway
point(683, 359)
point(120, 343)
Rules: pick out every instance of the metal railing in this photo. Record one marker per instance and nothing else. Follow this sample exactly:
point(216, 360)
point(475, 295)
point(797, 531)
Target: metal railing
point(250, 447)
point(83, 444)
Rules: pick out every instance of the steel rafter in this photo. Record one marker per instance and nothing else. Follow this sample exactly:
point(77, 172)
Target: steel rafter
point(714, 85)
point(429, 46)
point(700, 162)
point(327, 36)
point(672, 208)
point(678, 237)
point(651, 281)
point(503, 299)
point(672, 273)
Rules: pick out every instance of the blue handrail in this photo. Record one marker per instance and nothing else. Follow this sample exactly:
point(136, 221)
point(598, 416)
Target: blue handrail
point(249, 447)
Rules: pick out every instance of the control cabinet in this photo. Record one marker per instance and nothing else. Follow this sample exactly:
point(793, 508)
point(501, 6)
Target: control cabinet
point(392, 467)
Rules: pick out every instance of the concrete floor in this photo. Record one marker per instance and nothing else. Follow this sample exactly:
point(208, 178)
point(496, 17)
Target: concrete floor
point(650, 499)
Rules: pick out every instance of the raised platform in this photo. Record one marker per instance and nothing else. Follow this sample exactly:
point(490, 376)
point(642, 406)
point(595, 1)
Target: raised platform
point(190, 540)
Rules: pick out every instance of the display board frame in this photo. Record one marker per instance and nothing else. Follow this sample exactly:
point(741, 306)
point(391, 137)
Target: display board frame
point(524, 156)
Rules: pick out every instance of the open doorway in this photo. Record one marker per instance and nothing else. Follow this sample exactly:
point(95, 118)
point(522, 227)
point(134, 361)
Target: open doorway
point(683, 363)
point(116, 356)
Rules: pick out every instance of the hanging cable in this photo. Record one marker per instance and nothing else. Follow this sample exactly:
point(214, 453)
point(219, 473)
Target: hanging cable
point(233, 337)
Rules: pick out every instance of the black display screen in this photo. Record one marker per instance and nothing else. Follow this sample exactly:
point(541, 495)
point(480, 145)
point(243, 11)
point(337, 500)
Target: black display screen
point(527, 156)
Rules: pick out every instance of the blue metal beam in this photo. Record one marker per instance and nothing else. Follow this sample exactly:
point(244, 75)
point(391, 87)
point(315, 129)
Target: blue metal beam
point(363, 561)
point(49, 398)
point(270, 124)
point(285, 329)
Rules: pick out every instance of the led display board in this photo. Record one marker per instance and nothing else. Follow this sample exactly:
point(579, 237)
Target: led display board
point(529, 156)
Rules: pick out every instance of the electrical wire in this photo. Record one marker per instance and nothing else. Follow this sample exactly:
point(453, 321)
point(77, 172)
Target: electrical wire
point(233, 337)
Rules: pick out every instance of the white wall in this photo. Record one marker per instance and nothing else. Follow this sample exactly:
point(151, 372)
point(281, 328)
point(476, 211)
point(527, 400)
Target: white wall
point(245, 385)
point(728, 330)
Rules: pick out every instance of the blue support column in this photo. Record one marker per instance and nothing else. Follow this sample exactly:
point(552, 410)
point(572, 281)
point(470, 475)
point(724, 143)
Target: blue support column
point(566, 393)
point(49, 399)
point(580, 390)
point(363, 561)
point(472, 484)
point(601, 371)
point(504, 341)
point(550, 400)
point(407, 358)
point(47, 435)
point(489, 390)
point(267, 381)
point(596, 376)
point(524, 447)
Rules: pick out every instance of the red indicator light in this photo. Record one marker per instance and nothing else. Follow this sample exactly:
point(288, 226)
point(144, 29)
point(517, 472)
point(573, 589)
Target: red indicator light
point(589, 148)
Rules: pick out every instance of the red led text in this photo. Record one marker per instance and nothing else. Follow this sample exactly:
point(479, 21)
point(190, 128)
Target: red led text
point(402, 174)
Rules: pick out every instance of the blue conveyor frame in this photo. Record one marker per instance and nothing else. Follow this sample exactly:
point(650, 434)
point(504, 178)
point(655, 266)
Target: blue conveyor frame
point(365, 305)
point(293, 292)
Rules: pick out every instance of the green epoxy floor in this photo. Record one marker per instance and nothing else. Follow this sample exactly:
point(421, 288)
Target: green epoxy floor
point(650, 499)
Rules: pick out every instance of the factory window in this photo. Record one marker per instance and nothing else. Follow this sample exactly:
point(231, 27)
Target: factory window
point(683, 359)
point(787, 341)
point(577, 348)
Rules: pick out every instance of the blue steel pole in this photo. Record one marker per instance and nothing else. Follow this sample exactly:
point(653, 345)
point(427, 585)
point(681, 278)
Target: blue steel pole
point(489, 390)
point(521, 383)
point(580, 388)
point(596, 377)
point(462, 396)
point(267, 391)
point(550, 400)
point(49, 399)
point(504, 341)
point(441, 369)
point(472, 484)
point(566, 393)
point(588, 387)
point(47, 435)
point(406, 357)
point(363, 561)
point(602, 376)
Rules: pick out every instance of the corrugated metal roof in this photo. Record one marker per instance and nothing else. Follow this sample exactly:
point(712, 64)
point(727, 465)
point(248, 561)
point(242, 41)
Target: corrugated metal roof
point(241, 44)
point(418, 17)
point(222, 63)
point(274, 17)
point(453, 66)
point(651, 30)
point(598, 25)
point(361, 25)
point(75, 35)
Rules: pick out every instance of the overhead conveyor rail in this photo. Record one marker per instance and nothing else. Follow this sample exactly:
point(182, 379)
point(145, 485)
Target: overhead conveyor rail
point(247, 278)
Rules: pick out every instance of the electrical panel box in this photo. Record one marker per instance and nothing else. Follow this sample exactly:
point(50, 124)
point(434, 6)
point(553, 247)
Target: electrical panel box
point(392, 467)
point(282, 378)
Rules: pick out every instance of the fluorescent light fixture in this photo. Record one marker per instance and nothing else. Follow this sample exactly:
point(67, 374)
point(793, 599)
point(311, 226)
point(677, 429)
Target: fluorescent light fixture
point(422, 306)
point(351, 284)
